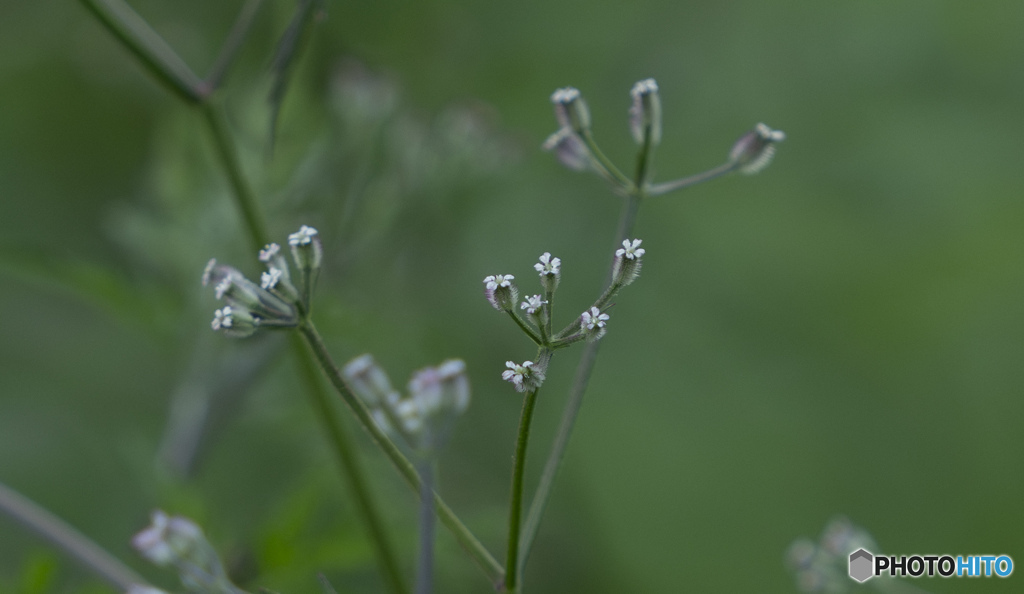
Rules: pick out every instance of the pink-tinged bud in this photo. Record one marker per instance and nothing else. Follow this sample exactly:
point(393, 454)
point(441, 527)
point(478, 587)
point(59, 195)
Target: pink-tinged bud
point(645, 113)
point(755, 149)
point(569, 149)
point(571, 110)
point(501, 292)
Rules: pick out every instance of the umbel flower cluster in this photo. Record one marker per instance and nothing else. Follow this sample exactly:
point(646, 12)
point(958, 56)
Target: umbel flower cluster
point(175, 541)
point(591, 325)
point(276, 302)
point(423, 419)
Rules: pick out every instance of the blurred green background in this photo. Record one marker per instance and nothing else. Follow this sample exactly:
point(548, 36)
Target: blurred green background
point(843, 333)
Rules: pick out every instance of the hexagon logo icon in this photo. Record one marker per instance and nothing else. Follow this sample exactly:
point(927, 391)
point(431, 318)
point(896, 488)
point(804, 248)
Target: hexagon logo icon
point(861, 565)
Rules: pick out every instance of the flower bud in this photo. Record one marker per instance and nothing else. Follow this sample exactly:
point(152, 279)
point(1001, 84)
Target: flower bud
point(755, 149)
point(234, 321)
point(569, 149)
point(626, 267)
point(308, 253)
point(645, 113)
point(550, 271)
point(571, 110)
point(368, 380)
point(243, 294)
point(501, 292)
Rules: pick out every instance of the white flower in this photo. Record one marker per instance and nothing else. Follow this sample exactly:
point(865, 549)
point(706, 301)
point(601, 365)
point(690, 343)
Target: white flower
point(593, 319)
point(548, 265)
point(517, 374)
point(498, 280)
point(631, 251)
point(268, 252)
point(532, 304)
point(303, 236)
point(222, 287)
point(768, 134)
point(268, 280)
point(222, 318)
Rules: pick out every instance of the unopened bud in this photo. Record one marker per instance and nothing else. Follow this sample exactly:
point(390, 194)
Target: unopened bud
point(571, 110)
point(368, 380)
point(755, 149)
point(501, 292)
point(569, 149)
point(628, 260)
point(308, 253)
point(645, 113)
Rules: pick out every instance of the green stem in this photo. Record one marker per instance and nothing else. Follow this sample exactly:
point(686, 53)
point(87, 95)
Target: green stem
point(617, 176)
point(693, 180)
point(522, 325)
point(516, 501)
point(146, 44)
point(245, 198)
point(71, 541)
point(425, 562)
point(466, 538)
point(350, 466)
point(239, 31)
point(572, 406)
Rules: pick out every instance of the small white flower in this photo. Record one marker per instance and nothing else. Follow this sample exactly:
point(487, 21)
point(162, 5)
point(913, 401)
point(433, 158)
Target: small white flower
point(303, 236)
point(532, 304)
point(268, 252)
point(768, 134)
point(643, 87)
point(593, 320)
point(498, 280)
point(269, 279)
point(208, 271)
point(222, 287)
point(222, 318)
point(631, 251)
point(548, 265)
point(517, 374)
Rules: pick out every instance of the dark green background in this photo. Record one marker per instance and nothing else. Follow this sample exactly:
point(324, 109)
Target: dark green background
point(843, 333)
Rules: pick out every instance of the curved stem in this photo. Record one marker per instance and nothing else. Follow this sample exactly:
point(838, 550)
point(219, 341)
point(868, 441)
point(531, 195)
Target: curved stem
point(606, 164)
point(522, 326)
point(473, 546)
point(350, 467)
point(693, 180)
point(71, 541)
point(516, 500)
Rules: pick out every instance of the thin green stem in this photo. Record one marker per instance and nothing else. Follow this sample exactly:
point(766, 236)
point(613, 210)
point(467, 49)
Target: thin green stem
point(466, 538)
point(350, 467)
point(693, 180)
point(516, 501)
point(239, 31)
point(522, 325)
point(617, 176)
point(425, 562)
point(91, 555)
point(245, 198)
point(146, 44)
point(572, 407)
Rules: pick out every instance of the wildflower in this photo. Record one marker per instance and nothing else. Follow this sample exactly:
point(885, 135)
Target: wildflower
point(368, 380)
point(645, 113)
point(168, 540)
point(304, 236)
point(592, 323)
point(571, 110)
point(755, 149)
point(517, 374)
point(532, 304)
point(626, 267)
point(550, 271)
point(269, 251)
point(500, 291)
point(234, 322)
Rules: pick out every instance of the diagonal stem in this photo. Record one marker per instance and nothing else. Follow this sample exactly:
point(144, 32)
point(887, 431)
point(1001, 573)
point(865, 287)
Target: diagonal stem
point(146, 44)
point(71, 541)
point(239, 31)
